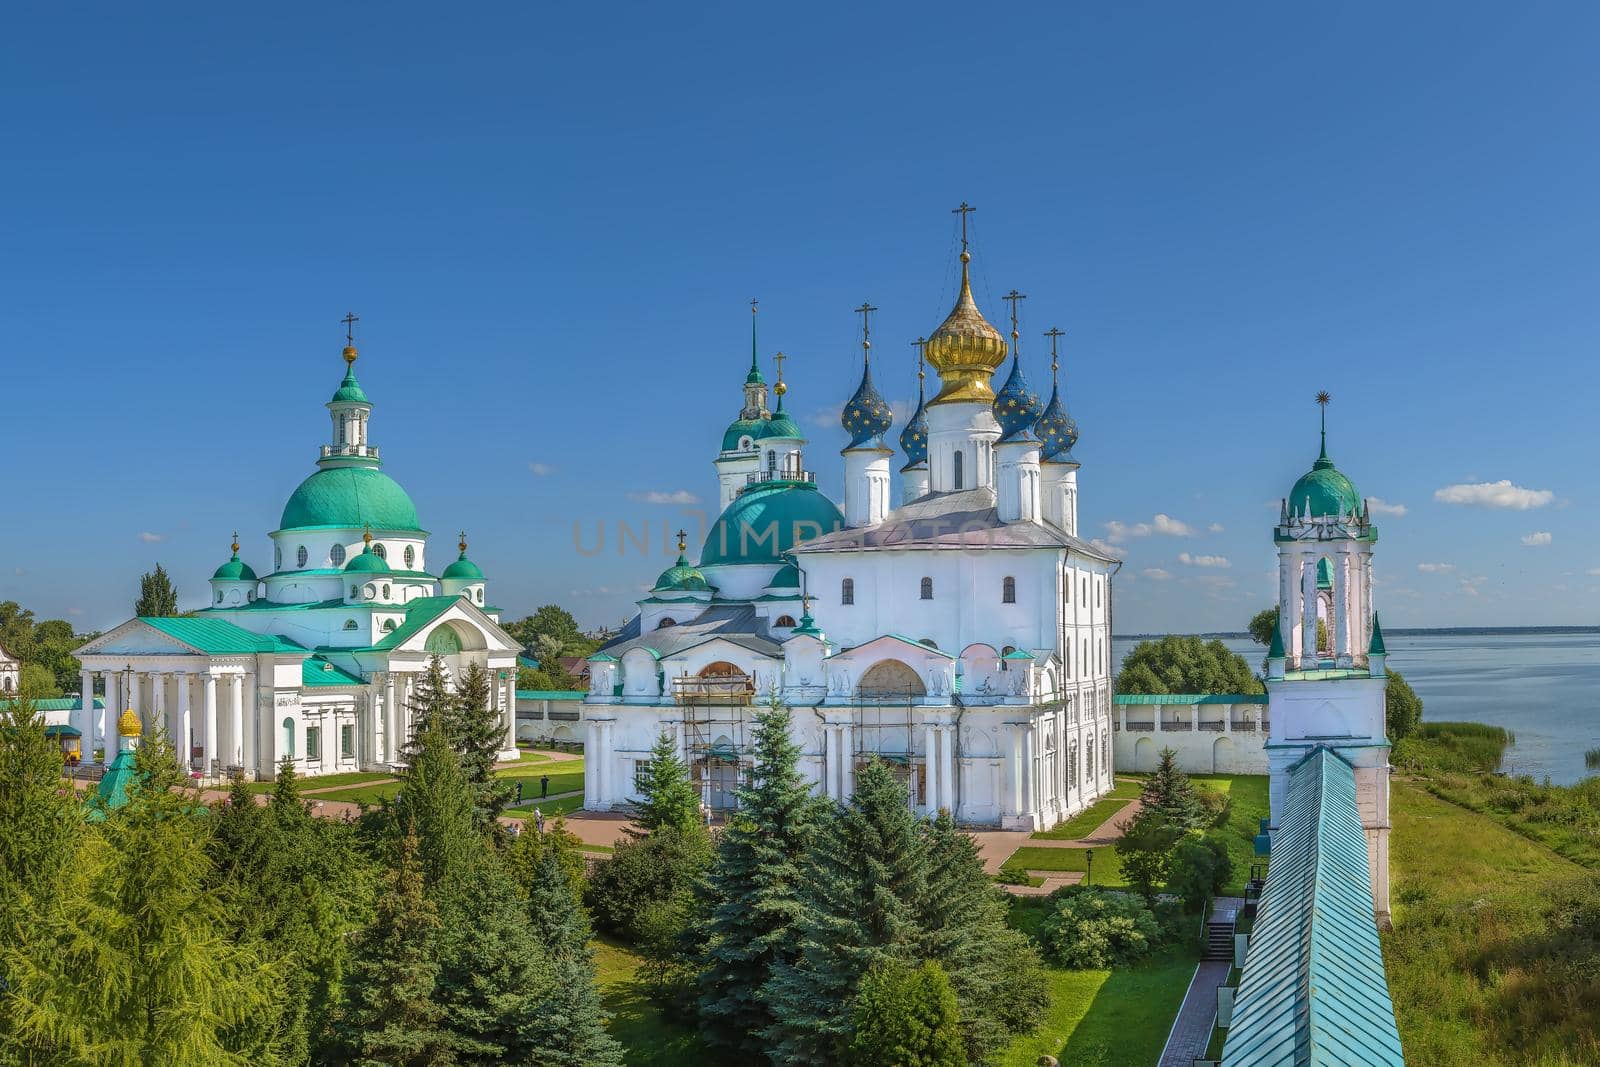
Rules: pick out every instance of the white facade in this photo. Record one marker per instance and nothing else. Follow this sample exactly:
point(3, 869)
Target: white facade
point(1207, 734)
point(963, 637)
point(317, 660)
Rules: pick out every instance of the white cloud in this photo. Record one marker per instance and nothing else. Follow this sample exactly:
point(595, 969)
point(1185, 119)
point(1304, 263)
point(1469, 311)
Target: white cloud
point(1436, 568)
point(1383, 507)
point(1538, 539)
point(540, 469)
point(677, 496)
point(1203, 561)
point(1216, 581)
point(1501, 494)
point(1592, 570)
point(1156, 574)
point(1165, 525)
point(1103, 546)
point(1470, 586)
point(151, 538)
point(1215, 527)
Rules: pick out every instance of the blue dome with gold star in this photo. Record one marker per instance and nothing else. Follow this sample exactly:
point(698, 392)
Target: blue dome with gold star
point(1016, 406)
point(866, 417)
point(1057, 430)
point(914, 438)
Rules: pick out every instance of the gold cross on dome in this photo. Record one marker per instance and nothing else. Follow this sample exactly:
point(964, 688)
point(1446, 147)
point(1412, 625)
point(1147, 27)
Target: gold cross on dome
point(1012, 297)
point(1054, 333)
point(683, 540)
point(964, 210)
point(350, 319)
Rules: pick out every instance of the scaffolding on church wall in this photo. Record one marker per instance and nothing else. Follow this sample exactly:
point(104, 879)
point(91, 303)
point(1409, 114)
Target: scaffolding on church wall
point(715, 709)
point(883, 725)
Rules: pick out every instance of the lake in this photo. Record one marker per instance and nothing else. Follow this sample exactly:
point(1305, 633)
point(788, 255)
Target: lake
point(1543, 687)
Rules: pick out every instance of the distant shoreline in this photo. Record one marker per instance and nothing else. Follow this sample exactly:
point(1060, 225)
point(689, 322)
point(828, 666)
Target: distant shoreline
point(1416, 631)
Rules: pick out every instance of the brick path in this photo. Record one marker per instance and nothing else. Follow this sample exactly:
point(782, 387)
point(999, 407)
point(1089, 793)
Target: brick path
point(1191, 1030)
point(996, 846)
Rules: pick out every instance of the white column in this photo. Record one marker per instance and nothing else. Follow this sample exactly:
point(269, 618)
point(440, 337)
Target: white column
point(511, 710)
point(591, 749)
point(103, 723)
point(1031, 799)
point(1308, 623)
point(1364, 590)
point(391, 721)
point(158, 702)
point(249, 743)
point(847, 761)
point(830, 761)
point(209, 729)
point(235, 719)
point(184, 742)
point(604, 769)
point(1341, 606)
point(947, 769)
point(930, 762)
point(1292, 570)
point(85, 714)
point(1014, 763)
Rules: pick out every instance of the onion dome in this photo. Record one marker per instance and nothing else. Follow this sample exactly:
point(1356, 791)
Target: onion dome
point(128, 724)
point(463, 569)
point(1017, 406)
point(914, 438)
point(966, 350)
point(1057, 430)
point(368, 562)
point(780, 425)
point(235, 570)
point(738, 430)
point(866, 417)
point(1324, 491)
point(682, 576)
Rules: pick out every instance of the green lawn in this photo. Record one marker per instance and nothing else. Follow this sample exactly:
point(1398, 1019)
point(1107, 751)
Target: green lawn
point(1107, 869)
point(324, 781)
point(1089, 819)
point(1494, 951)
point(368, 794)
point(564, 782)
point(649, 1038)
point(1250, 804)
point(1117, 1018)
point(551, 808)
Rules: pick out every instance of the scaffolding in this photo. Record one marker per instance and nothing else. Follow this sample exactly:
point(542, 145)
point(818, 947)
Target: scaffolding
point(715, 709)
point(883, 727)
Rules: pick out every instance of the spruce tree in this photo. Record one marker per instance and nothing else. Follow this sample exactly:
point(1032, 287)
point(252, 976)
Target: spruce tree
point(431, 702)
point(906, 1016)
point(393, 1018)
point(435, 804)
point(570, 1030)
point(752, 891)
point(861, 897)
point(669, 800)
point(476, 733)
point(286, 787)
point(1170, 793)
point(993, 968)
point(527, 852)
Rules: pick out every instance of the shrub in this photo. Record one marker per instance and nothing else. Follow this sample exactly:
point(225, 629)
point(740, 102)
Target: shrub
point(1094, 928)
point(655, 870)
point(1198, 870)
point(906, 1016)
point(1214, 805)
point(1145, 850)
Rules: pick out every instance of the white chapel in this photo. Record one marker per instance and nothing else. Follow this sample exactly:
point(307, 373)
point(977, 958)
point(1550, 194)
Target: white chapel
point(316, 660)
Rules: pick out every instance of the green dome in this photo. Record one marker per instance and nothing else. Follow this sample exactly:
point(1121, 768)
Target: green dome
point(682, 577)
point(764, 522)
point(463, 570)
point(234, 571)
point(350, 498)
point(1329, 492)
point(738, 428)
point(788, 577)
point(780, 425)
point(368, 562)
point(349, 391)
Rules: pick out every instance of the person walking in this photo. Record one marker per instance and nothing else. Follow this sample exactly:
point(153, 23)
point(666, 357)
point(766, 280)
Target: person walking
point(544, 786)
point(538, 820)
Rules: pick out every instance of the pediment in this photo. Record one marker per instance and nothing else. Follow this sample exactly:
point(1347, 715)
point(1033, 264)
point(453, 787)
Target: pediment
point(137, 638)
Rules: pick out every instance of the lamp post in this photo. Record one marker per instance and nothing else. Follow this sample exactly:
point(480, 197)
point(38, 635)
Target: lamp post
point(1088, 854)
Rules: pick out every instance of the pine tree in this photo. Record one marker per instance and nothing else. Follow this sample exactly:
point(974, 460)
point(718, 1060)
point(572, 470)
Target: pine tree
point(431, 702)
point(157, 596)
point(393, 1018)
point(476, 734)
point(906, 1016)
point(861, 897)
point(435, 804)
point(669, 798)
point(527, 852)
point(1170, 793)
point(994, 969)
point(752, 890)
point(286, 787)
point(571, 1025)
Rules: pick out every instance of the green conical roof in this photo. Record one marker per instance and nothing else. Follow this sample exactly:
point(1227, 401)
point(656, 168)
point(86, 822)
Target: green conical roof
point(349, 391)
point(1376, 647)
point(1275, 649)
point(463, 569)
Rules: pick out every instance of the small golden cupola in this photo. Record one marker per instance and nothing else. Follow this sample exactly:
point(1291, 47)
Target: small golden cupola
point(128, 724)
point(966, 350)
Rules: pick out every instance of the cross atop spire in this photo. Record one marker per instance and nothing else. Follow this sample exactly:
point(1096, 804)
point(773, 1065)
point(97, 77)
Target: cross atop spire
point(462, 544)
point(683, 541)
point(754, 366)
point(921, 345)
point(235, 542)
point(865, 311)
point(779, 387)
point(1054, 333)
point(1016, 339)
point(964, 210)
point(350, 319)
point(1324, 398)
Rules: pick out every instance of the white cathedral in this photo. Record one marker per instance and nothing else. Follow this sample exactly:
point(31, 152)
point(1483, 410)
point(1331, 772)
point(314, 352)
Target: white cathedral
point(315, 661)
point(962, 637)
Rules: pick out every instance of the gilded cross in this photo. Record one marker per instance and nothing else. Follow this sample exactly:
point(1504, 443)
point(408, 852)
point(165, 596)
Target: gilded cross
point(683, 540)
point(865, 311)
point(753, 303)
point(778, 359)
point(463, 542)
point(1054, 333)
point(236, 541)
point(350, 319)
point(921, 345)
point(964, 210)
point(1012, 297)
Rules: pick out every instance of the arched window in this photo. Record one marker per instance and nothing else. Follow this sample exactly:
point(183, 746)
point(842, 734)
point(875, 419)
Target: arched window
point(370, 592)
point(480, 595)
point(219, 597)
point(847, 591)
point(666, 622)
point(388, 626)
point(379, 551)
point(336, 553)
point(1008, 591)
point(927, 589)
point(349, 624)
point(1004, 652)
point(386, 592)
point(288, 738)
point(443, 641)
point(772, 461)
point(300, 556)
point(277, 557)
point(411, 557)
point(355, 591)
point(783, 620)
point(957, 459)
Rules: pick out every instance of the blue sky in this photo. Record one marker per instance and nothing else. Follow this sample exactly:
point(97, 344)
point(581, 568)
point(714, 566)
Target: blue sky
point(551, 218)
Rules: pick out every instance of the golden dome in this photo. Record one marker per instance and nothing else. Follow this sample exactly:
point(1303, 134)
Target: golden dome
point(965, 349)
point(128, 724)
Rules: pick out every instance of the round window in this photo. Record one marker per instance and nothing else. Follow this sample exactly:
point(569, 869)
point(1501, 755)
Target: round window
point(411, 557)
point(386, 592)
point(336, 553)
point(379, 551)
point(371, 591)
point(300, 556)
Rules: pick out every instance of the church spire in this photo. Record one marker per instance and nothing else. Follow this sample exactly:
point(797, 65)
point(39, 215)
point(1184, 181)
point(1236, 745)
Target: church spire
point(349, 409)
point(755, 385)
point(866, 417)
point(965, 349)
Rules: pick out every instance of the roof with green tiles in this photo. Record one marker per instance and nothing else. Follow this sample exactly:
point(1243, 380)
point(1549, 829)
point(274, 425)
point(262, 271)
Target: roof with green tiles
point(1190, 698)
point(1314, 990)
point(551, 694)
point(316, 673)
point(349, 498)
point(218, 637)
point(60, 703)
point(419, 613)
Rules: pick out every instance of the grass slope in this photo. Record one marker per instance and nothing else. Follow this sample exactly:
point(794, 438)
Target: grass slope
point(649, 1038)
point(1117, 1018)
point(1492, 959)
point(1249, 803)
point(1089, 819)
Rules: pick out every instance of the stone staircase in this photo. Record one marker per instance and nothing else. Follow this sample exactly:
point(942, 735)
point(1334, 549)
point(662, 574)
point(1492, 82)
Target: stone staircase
point(1219, 941)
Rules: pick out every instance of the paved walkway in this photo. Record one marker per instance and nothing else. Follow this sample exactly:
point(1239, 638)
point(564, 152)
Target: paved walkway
point(996, 846)
point(1191, 1030)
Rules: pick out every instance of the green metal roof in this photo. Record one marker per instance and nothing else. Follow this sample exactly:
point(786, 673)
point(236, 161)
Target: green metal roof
point(367, 562)
point(1190, 698)
point(1324, 491)
point(463, 570)
point(262, 604)
point(419, 613)
point(235, 570)
point(317, 672)
point(120, 779)
point(551, 694)
point(1275, 649)
point(1376, 648)
point(216, 637)
point(349, 391)
point(740, 428)
point(1314, 990)
point(59, 703)
point(350, 498)
point(682, 577)
point(62, 730)
point(779, 426)
point(766, 521)
point(1018, 653)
